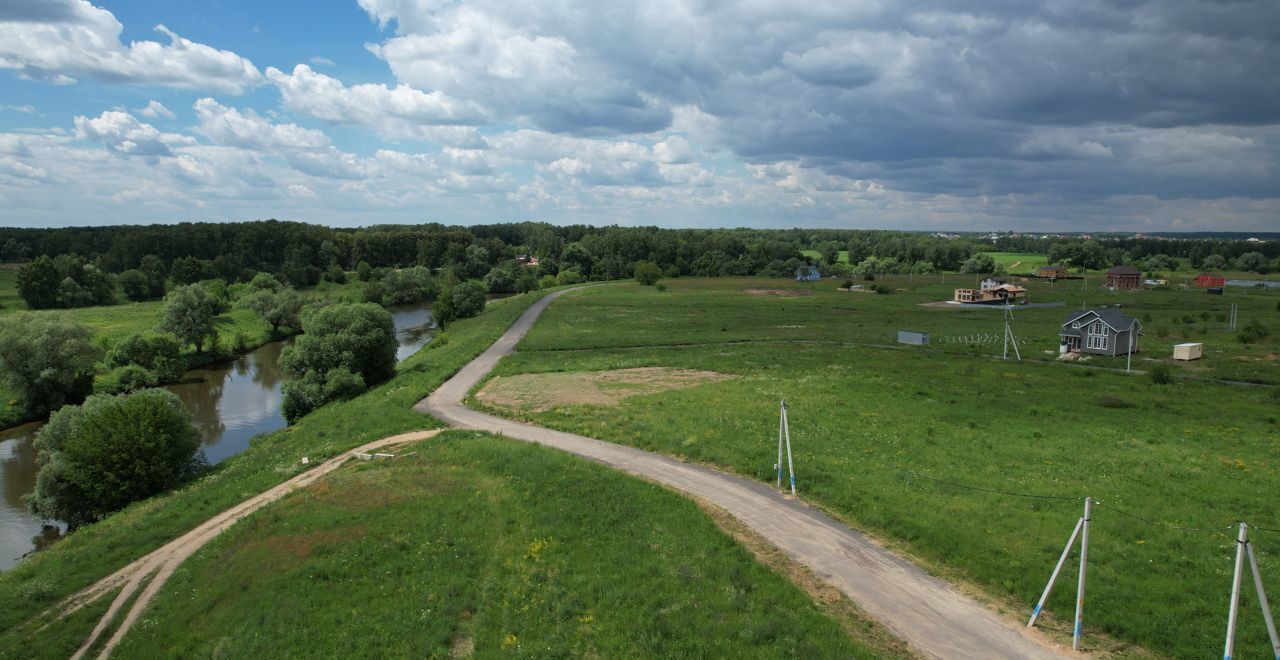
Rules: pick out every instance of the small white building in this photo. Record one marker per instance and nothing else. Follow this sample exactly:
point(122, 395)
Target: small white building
point(1189, 351)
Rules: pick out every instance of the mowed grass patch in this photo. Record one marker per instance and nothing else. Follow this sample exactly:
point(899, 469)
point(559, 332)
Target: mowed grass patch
point(1019, 262)
point(874, 429)
point(538, 392)
point(727, 310)
point(495, 547)
point(98, 549)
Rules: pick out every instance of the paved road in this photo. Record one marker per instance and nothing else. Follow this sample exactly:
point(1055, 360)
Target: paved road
point(929, 614)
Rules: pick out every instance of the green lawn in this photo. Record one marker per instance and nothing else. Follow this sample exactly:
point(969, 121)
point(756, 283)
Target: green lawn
point(96, 550)
point(814, 254)
point(482, 543)
point(868, 422)
point(1019, 262)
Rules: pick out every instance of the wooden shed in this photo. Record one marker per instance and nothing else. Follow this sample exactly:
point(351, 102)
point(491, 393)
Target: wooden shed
point(1189, 351)
point(1124, 278)
point(1207, 279)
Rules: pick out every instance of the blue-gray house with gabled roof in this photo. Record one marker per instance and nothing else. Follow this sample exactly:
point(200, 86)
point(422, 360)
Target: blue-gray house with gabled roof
point(807, 273)
point(1106, 331)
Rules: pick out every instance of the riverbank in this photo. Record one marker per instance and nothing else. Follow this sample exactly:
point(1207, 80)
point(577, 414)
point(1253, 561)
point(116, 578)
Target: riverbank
point(229, 403)
point(98, 549)
point(239, 330)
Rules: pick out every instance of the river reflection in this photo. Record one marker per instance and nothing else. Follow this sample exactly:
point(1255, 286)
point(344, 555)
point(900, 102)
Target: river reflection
point(229, 405)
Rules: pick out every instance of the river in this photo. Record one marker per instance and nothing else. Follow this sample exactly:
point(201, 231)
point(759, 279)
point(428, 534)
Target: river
point(229, 404)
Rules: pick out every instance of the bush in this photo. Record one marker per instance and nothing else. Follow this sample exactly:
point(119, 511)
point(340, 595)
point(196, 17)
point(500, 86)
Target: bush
point(280, 309)
point(265, 282)
point(113, 450)
point(161, 355)
point(546, 281)
point(1112, 401)
point(47, 361)
point(569, 276)
point(463, 301)
point(501, 279)
point(364, 271)
point(648, 273)
point(1251, 332)
point(122, 380)
point(344, 349)
point(408, 285)
point(1161, 374)
point(335, 274)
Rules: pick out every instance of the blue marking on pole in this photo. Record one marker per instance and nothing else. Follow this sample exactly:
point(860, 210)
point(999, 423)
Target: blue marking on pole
point(793, 482)
point(1079, 624)
point(1036, 611)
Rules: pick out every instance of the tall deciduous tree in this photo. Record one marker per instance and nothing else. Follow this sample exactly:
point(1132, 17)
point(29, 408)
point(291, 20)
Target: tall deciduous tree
point(46, 360)
point(113, 450)
point(38, 282)
point(343, 349)
point(189, 313)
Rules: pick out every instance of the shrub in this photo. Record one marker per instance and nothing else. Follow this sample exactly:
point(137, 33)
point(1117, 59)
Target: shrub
point(462, 301)
point(501, 279)
point(648, 273)
point(569, 276)
point(408, 285)
point(280, 309)
point(546, 281)
point(160, 355)
point(47, 361)
point(265, 282)
point(113, 450)
point(122, 380)
point(1251, 332)
point(335, 274)
point(364, 271)
point(1112, 401)
point(1161, 374)
point(38, 281)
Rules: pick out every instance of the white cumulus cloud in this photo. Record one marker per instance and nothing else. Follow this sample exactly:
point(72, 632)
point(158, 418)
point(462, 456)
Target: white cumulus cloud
point(60, 40)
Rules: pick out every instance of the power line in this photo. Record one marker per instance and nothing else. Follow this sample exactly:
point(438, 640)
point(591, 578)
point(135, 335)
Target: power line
point(988, 490)
point(1162, 524)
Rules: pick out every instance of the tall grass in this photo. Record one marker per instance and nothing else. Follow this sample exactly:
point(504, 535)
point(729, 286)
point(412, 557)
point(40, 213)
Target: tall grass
point(479, 543)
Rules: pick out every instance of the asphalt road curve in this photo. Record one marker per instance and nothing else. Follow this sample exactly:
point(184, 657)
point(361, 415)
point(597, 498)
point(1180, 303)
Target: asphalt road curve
point(929, 614)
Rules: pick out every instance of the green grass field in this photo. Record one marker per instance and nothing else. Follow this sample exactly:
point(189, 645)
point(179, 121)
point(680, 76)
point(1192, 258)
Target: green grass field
point(96, 550)
point(872, 425)
point(814, 254)
point(719, 311)
point(480, 543)
point(1019, 262)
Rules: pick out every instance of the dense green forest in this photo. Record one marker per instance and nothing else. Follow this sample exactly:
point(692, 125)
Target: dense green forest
point(80, 262)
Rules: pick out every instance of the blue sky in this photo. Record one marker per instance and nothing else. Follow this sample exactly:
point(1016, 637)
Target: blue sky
point(1061, 115)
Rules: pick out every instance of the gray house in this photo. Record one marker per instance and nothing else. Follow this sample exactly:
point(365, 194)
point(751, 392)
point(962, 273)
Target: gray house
point(1106, 331)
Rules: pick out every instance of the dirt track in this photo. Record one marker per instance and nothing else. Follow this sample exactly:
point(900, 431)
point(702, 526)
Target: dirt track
point(163, 561)
point(930, 615)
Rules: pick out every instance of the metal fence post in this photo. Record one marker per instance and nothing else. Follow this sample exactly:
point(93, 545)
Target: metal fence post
point(1234, 608)
point(1084, 561)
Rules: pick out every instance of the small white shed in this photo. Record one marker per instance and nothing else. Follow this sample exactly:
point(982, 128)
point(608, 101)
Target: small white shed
point(1191, 351)
point(915, 338)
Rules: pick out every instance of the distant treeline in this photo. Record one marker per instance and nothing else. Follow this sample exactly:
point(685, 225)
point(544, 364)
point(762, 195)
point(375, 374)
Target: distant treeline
point(303, 253)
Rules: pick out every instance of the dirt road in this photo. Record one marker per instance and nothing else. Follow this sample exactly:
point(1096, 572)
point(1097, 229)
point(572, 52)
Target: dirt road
point(929, 614)
point(162, 562)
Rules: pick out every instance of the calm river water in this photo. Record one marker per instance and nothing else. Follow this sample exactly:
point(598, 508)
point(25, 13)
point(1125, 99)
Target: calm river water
point(229, 404)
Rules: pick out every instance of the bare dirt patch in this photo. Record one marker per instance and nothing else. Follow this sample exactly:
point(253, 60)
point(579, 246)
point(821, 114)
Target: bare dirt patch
point(786, 293)
point(540, 392)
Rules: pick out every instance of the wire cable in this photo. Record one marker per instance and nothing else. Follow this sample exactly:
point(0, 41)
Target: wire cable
point(1184, 528)
point(988, 490)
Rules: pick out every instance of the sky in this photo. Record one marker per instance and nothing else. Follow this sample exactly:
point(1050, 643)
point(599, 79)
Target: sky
point(1063, 115)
